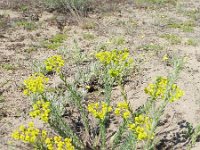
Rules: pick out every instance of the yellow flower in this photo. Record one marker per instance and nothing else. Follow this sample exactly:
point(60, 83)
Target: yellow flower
point(22, 128)
point(131, 126)
point(140, 119)
point(35, 84)
point(116, 60)
point(99, 110)
point(114, 72)
point(142, 127)
point(44, 134)
point(142, 135)
point(54, 63)
point(118, 111)
point(31, 124)
point(126, 114)
point(33, 135)
point(49, 143)
point(68, 144)
point(165, 57)
point(176, 93)
point(123, 105)
point(139, 129)
point(28, 134)
point(159, 89)
point(41, 109)
point(87, 87)
point(58, 143)
point(15, 135)
point(104, 57)
point(122, 110)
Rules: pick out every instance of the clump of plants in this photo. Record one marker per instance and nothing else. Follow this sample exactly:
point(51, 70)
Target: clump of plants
point(8, 66)
point(73, 6)
point(155, 2)
point(136, 128)
point(151, 47)
point(172, 38)
point(192, 42)
point(55, 42)
point(187, 26)
point(192, 14)
point(88, 36)
point(27, 25)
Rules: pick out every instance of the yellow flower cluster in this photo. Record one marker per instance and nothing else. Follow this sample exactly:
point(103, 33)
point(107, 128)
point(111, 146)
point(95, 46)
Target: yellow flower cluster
point(165, 57)
point(28, 134)
point(141, 127)
point(41, 109)
point(123, 110)
point(117, 60)
point(114, 56)
point(35, 84)
point(54, 63)
point(159, 88)
point(35, 136)
point(57, 143)
point(99, 110)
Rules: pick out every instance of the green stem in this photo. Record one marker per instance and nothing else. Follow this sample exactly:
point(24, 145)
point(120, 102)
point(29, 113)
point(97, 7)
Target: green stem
point(77, 99)
point(118, 135)
point(64, 129)
point(61, 127)
point(108, 84)
point(103, 135)
point(158, 113)
point(124, 94)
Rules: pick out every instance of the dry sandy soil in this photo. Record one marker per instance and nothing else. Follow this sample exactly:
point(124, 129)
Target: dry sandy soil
point(138, 28)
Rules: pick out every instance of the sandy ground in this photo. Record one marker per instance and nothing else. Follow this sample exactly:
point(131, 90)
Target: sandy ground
point(137, 27)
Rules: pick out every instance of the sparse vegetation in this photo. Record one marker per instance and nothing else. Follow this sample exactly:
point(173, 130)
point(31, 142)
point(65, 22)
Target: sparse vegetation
point(27, 25)
point(24, 8)
point(120, 40)
point(58, 38)
point(72, 6)
point(55, 42)
point(185, 26)
point(4, 21)
point(88, 36)
point(140, 126)
point(192, 14)
point(151, 47)
point(192, 42)
point(31, 49)
point(121, 78)
point(160, 2)
point(88, 25)
point(2, 99)
point(8, 66)
point(172, 38)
